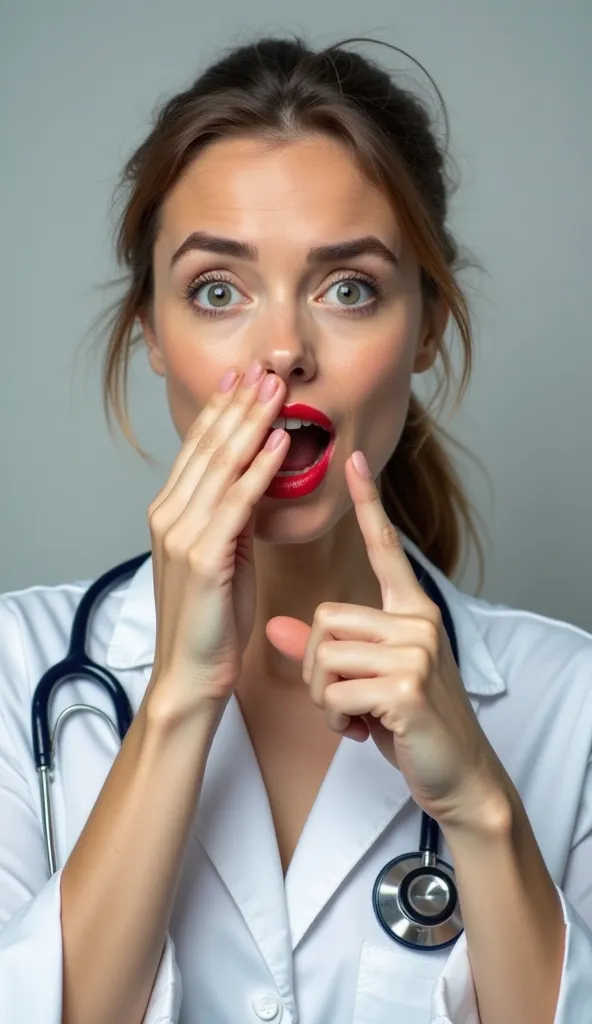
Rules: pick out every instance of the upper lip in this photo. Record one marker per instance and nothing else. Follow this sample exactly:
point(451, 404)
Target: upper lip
point(300, 411)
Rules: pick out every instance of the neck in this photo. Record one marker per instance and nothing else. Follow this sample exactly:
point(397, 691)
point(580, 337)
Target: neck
point(293, 579)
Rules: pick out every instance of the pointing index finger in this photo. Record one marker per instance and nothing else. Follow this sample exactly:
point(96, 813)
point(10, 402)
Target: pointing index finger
point(393, 570)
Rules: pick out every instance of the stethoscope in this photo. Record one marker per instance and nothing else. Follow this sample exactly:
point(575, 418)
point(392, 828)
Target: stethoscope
point(414, 896)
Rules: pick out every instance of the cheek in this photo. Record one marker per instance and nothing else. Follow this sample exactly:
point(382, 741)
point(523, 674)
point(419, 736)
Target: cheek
point(191, 372)
point(379, 398)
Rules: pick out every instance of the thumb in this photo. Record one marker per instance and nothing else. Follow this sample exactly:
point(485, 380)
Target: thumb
point(288, 635)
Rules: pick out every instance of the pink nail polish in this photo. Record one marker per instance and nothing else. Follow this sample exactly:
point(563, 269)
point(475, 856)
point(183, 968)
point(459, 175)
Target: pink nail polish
point(269, 387)
point(361, 466)
point(228, 380)
point(274, 440)
point(253, 374)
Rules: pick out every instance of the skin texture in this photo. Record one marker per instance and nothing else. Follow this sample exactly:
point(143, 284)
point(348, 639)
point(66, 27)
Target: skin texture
point(357, 368)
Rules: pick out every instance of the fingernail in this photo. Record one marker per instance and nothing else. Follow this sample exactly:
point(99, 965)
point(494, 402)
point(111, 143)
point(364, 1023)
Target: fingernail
point(269, 387)
point(361, 466)
point(253, 373)
point(274, 440)
point(228, 380)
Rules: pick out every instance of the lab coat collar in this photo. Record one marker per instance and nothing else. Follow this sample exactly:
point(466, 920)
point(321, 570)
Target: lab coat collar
point(479, 671)
point(132, 642)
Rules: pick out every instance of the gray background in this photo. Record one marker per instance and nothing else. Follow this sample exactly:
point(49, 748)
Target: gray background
point(78, 83)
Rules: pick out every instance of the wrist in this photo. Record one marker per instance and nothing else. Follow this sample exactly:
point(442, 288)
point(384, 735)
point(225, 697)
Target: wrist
point(487, 814)
point(165, 716)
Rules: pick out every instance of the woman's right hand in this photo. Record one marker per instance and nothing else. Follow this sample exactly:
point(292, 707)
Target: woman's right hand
point(201, 526)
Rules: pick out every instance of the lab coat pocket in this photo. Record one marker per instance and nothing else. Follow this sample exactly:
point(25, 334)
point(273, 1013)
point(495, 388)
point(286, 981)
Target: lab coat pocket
point(394, 987)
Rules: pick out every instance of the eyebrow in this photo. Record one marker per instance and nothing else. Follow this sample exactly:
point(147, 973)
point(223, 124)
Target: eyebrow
point(368, 245)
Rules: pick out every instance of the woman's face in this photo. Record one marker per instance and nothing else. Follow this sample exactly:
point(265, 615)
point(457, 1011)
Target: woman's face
point(345, 330)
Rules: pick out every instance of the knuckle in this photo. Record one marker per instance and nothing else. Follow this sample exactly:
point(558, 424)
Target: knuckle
point(325, 612)
point(323, 653)
point(255, 414)
point(389, 536)
point(237, 496)
point(204, 566)
point(152, 510)
point(221, 458)
point(318, 699)
point(424, 662)
point(199, 566)
point(410, 690)
point(208, 442)
point(243, 400)
point(154, 504)
point(434, 615)
point(431, 632)
point(173, 546)
point(195, 431)
point(331, 697)
point(206, 419)
point(157, 520)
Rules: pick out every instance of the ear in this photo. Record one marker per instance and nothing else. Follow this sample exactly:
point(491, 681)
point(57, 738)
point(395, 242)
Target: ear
point(434, 324)
point(155, 357)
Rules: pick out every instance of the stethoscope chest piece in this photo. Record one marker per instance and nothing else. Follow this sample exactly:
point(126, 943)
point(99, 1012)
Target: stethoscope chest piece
point(416, 902)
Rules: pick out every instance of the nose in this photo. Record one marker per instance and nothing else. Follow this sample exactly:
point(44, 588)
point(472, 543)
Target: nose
point(284, 350)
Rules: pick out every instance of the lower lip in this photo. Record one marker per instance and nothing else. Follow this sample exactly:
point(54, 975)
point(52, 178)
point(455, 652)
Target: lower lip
point(298, 485)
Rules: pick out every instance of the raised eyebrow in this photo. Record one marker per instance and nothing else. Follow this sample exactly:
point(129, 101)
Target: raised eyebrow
point(369, 245)
point(213, 243)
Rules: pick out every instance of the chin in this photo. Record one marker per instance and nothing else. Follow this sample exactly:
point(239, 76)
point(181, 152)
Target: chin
point(301, 521)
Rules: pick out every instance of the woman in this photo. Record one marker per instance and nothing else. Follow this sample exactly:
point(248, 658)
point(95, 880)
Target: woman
point(291, 269)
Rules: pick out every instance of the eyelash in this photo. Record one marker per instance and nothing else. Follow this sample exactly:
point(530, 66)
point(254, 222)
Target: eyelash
point(210, 277)
point(217, 277)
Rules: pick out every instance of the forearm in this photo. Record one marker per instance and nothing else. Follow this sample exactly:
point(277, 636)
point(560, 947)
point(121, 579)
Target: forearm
point(119, 882)
point(513, 919)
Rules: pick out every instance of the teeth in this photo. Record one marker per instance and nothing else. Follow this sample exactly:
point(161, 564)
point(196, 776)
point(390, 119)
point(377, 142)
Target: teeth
point(283, 423)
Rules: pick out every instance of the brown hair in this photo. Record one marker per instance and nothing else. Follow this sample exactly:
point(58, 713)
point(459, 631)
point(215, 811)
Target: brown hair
point(281, 89)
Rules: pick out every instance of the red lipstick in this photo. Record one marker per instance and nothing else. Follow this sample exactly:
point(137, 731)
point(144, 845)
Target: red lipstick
point(297, 484)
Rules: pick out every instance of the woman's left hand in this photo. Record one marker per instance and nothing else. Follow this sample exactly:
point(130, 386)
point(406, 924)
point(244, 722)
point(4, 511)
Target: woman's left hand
point(391, 674)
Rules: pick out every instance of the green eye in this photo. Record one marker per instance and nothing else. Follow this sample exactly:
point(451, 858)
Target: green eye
point(351, 292)
point(211, 296)
point(348, 293)
point(218, 294)
point(215, 296)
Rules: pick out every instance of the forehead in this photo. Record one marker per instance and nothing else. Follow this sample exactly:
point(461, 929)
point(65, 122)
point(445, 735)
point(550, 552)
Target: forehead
point(305, 192)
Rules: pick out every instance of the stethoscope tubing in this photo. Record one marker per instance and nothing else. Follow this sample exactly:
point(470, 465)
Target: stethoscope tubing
point(76, 665)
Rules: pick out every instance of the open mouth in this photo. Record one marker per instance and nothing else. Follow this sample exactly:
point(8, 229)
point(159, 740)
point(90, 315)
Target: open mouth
point(308, 444)
point(312, 443)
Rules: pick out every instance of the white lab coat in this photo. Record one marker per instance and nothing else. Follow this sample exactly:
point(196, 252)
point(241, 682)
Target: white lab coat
point(245, 944)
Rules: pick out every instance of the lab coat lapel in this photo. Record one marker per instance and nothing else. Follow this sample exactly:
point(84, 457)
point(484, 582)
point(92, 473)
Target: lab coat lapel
point(359, 797)
point(235, 827)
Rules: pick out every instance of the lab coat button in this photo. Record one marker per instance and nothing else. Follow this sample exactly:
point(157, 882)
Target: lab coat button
point(267, 1007)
